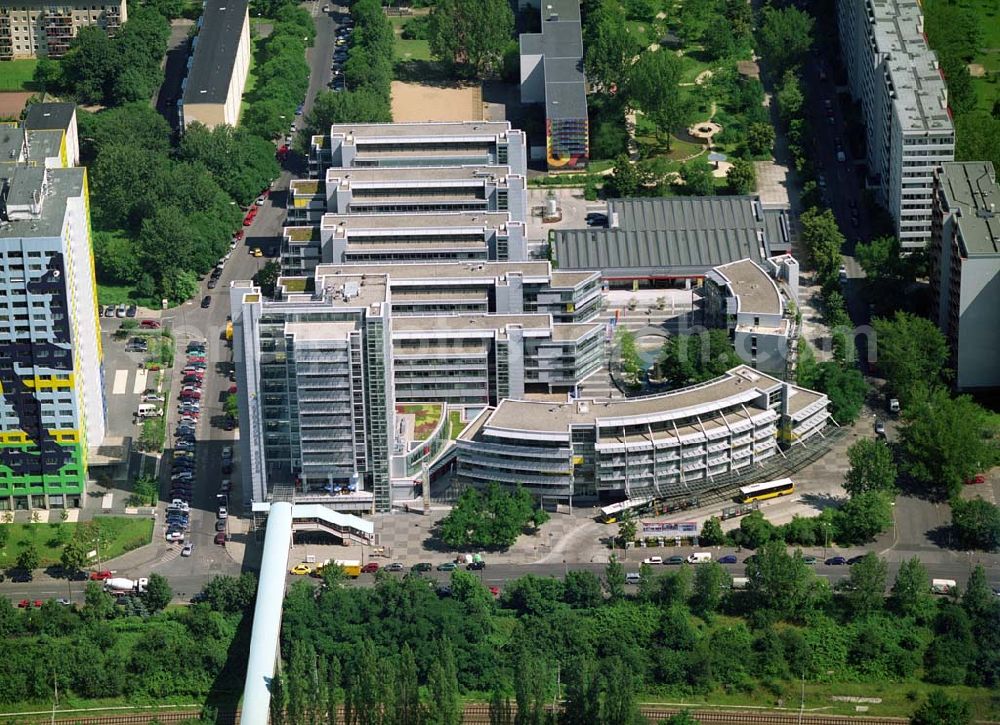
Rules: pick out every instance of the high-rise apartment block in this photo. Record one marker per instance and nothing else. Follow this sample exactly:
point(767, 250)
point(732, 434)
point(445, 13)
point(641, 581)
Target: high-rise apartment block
point(52, 407)
point(217, 71)
point(904, 101)
point(39, 28)
point(965, 277)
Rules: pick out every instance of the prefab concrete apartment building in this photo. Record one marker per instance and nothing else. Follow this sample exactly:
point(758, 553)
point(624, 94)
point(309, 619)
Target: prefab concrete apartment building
point(52, 408)
point(965, 277)
point(552, 74)
point(44, 29)
point(458, 143)
point(904, 101)
point(217, 71)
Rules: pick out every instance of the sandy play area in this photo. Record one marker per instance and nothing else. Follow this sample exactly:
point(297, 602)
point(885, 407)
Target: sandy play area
point(417, 102)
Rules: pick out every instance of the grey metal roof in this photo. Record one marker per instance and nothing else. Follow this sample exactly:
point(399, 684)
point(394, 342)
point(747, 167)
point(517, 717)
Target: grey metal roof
point(560, 42)
point(49, 116)
point(670, 237)
point(215, 52)
point(62, 184)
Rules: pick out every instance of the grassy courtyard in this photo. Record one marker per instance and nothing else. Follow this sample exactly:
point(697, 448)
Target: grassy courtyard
point(16, 75)
point(426, 417)
point(407, 49)
point(117, 534)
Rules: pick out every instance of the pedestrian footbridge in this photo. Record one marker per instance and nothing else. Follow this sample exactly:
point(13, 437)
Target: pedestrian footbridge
point(283, 518)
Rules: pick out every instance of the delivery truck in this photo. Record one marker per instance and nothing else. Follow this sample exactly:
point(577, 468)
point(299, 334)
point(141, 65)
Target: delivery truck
point(351, 567)
point(121, 585)
point(943, 586)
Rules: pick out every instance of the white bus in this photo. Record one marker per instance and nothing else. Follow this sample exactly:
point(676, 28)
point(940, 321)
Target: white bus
point(612, 512)
point(766, 490)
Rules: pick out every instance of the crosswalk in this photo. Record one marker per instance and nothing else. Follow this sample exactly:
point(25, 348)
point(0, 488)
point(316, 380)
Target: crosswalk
point(120, 384)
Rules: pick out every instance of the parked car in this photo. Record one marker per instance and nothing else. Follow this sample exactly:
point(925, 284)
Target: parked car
point(370, 568)
point(175, 536)
point(152, 398)
point(187, 550)
point(809, 559)
point(653, 560)
point(220, 538)
point(227, 453)
point(206, 301)
point(447, 566)
point(213, 283)
point(879, 427)
point(422, 566)
point(131, 311)
point(475, 565)
point(149, 324)
point(394, 566)
point(100, 575)
point(727, 559)
point(300, 569)
point(227, 468)
point(121, 310)
point(223, 513)
point(220, 525)
point(835, 561)
point(978, 478)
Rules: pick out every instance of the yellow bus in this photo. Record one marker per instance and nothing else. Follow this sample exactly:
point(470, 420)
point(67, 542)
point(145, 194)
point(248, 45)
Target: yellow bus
point(766, 490)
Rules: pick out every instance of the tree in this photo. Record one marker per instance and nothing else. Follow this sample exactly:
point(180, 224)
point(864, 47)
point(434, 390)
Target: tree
point(582, 589)
point(158, 593)
point(940, 708)
point(98, 605)
point(910, 592)
point(407, 689)
point(871, 467)
point(979, 601)
point(865, 588)
point(845, 387)
point(977, 137)
point(710, 579)
point(785, 37)
point(471, 35)
point(628, 355)
point(267, 278)
point(756, 530)
point(28, 558)
point(653, 88)
point(741, 177)
point(442, 685)
point(627, 528)
point(684, 717)
point(279, 699)
point(697, 178)
point(863, 517)
point(689, 359)
point(232, 407)
point(790, 97)
point(624, 176)
point(241, 163)
point(711, 532)
point(760, 139)
point(531, 684)
point(619, 705)
point(946, 440)
point(357, 106)
point(609, 49)
point(501, 712)
point(492, 520)
point(781, 583)
point(583, 693)
point(976, 523)
point(823, 240)
point(74, 556)
point(614, 579)
point(911, 354)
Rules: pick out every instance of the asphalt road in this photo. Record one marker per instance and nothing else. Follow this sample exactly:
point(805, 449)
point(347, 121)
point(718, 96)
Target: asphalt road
point(321, 54)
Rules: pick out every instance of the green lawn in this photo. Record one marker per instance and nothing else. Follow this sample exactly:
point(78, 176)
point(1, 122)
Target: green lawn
point(408, 49)
point(16, 75)
point(118, 534)
point(455, 424)
point(426, 417)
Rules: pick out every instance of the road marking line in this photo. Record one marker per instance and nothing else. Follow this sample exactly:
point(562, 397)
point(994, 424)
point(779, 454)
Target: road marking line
point(121, 382)
point(140, 381)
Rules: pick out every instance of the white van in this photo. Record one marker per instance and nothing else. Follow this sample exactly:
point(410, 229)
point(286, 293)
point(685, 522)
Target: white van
point(740, 582)
point(699, 557)
point(943, 586)
point(148, 410)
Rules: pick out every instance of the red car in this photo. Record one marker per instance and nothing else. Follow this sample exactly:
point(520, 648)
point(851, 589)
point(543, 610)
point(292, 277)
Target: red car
point(190, 395)
point(495, 591)
point(239, 235)
point(38, 603)
point(195, 359)
point(370, 568)
point(266, 193)
point(232, 390)
point(24, 604)
point(150, 324)
point(220, 538)
point(248, 220)
point(99, 576)
point(978, 478)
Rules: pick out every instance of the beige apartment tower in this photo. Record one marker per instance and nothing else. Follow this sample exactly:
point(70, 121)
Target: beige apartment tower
point(37, 29)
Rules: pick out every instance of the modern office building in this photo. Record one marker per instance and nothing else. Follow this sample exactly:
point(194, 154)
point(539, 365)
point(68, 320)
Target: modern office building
point(39, 28)
point(52, 407)
point(479, 360)
point(965, 276)
point(552, 74)
point(315, 391)
point(437, 189)
point(896, 78)
point(460, 143)
point(745, 299)
point(217, 71)
point(675, 445)
point(504, 288)
point(666, 241)
point(393, 239)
